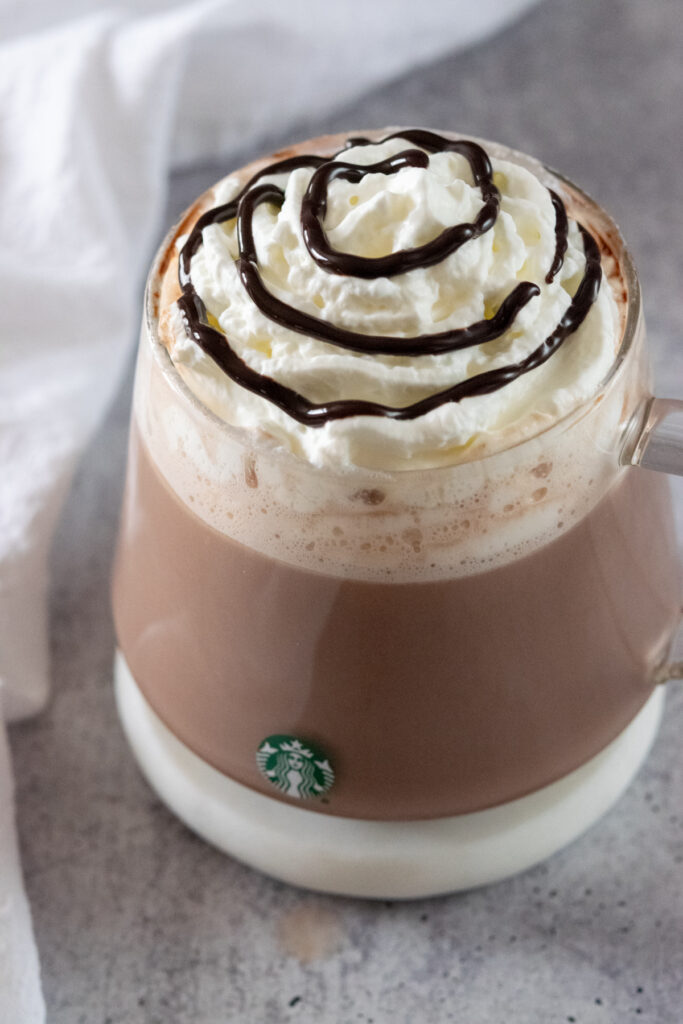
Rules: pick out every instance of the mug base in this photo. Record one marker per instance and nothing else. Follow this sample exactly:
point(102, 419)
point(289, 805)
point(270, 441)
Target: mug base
point(378, 859)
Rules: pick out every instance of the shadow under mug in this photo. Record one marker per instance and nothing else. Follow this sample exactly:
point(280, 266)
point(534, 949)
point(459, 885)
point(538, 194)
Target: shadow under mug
point(397, 683)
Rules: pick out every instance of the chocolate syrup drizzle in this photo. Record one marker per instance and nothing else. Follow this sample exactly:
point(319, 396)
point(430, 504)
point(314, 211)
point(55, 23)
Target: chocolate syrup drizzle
point(561, 235)
point(314, 205)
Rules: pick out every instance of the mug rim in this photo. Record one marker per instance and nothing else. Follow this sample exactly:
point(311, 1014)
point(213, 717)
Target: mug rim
point(271, 450)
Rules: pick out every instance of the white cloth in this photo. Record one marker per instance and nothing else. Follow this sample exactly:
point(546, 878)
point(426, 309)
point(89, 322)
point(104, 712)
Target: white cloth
point(93, 112)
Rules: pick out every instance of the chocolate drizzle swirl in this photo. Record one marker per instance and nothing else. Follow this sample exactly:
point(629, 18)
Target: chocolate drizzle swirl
point(296, 320)
point(217, 346)
point(314, 206)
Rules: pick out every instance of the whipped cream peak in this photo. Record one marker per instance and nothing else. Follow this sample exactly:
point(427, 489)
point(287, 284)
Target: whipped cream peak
point(407, 302)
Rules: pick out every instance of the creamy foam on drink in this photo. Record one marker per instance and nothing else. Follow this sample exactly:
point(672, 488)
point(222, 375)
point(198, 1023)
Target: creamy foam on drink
point(520, 252)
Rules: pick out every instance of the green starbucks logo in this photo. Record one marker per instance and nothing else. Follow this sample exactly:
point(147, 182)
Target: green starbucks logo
point(297, 769)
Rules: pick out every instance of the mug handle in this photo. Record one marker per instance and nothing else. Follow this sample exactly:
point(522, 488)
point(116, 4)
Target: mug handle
point(654, 437)
point(654, 440)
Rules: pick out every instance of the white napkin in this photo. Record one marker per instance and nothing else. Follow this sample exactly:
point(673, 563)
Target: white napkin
point(93, 113)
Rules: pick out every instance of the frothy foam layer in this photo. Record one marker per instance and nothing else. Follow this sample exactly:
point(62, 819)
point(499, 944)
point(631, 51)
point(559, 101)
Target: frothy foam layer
point(381, 214)
point(389, 527)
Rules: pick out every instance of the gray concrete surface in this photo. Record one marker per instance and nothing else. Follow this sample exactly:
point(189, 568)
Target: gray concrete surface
point(138, 922)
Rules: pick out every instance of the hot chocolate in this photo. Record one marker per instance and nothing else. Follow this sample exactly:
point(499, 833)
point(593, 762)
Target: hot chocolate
point(431, 698)
point(375, 525)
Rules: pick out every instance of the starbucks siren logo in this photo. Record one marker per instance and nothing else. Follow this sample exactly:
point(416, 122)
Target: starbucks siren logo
point(297, 769)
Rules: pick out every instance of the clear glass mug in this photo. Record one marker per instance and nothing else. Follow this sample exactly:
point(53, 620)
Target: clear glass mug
point(397, 683)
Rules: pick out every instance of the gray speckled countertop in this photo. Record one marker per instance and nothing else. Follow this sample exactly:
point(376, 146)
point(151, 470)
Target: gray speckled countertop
point(138, 921)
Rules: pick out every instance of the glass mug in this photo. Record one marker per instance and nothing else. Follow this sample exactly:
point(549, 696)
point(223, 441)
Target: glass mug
point(394, 684)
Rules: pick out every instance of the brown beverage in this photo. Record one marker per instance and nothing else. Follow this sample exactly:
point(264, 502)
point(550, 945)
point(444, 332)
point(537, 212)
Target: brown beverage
point(425, 707)
point(452, 636)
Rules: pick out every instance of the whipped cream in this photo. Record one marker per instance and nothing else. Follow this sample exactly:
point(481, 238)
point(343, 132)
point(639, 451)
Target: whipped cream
point(376, 216)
